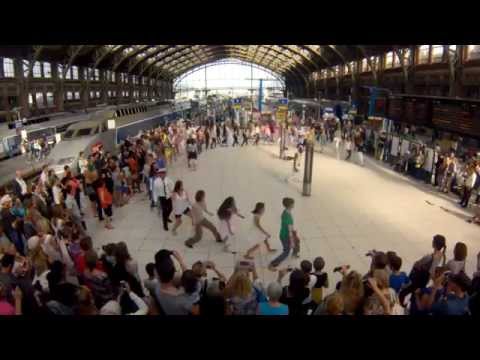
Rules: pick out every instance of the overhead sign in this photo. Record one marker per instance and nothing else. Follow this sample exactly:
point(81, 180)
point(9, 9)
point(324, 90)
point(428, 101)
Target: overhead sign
point(283, 101)
point(236, 101)
point(281, 115)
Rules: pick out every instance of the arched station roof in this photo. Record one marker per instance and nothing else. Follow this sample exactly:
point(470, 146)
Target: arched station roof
point(293, 62)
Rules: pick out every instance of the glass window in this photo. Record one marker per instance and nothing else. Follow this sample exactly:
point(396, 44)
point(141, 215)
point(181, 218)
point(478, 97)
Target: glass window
point(346, 69)
point(126, 94)
point(407, 57)
point(473, 52)
point(68, 75)
point(25, 68)
point(30, 100)
point(60, 71)
point(437, 53)
point(50, 100)
point(125, 78)
point(92, 94)
point(389, 60)
point(113, 76)
point(364, 65)
point(114, 93)
point(47, 70)
point(39, 100)
point(69, 95)
point(77, 95)
point(97, 75)
point(423, 54)
point(8, 69)
point(98, 94)
point(84, 132)
point(109, 94)
point(75, 72)
point(37, 69)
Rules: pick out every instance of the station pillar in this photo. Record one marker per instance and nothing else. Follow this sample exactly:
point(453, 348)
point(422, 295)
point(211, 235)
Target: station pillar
point(307, 177)
point(282, 141)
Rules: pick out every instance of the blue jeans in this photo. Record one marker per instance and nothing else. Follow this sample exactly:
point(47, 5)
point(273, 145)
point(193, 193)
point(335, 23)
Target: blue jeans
point(285, 252)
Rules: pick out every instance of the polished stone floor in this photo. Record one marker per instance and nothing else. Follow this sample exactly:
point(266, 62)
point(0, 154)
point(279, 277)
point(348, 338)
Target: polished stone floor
point(352, 210)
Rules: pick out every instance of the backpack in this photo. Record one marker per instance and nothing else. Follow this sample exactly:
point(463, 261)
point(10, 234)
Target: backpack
point(419, 278)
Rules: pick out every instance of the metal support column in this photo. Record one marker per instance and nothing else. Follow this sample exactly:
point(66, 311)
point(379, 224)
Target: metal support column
point(282, 140)
point(307, 177)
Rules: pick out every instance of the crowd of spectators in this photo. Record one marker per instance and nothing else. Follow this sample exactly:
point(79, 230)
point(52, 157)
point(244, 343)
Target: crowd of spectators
point(49, 264)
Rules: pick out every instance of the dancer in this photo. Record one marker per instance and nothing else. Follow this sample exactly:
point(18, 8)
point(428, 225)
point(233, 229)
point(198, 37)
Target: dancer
point(213, 133)
point(162, 193)
point(181, 205)
point(199, 221)
point(225, 212)
point(348, 147)
point(245, 137)
point(338, 142)
point(191, 154)
point(288, 235)
point(257, 232)
point(235, 137)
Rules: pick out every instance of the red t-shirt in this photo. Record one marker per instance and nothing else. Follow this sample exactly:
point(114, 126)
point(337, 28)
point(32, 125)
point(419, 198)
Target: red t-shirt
point(75, 184)
point(132, 164)
point(80, 264)
point(106, 199)
point(6, 308)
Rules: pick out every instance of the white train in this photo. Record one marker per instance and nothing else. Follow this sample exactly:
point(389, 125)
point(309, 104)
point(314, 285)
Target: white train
point(109, 127)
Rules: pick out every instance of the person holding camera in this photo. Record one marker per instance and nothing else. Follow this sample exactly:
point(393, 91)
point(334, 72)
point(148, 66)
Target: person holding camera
point(241, 292)
point(448, 295)
point(127, 303)
point(167, 295)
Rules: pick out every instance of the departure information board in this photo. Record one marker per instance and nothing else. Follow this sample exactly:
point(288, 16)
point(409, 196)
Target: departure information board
point(416, 111)
point(457, 117)
point(395, 109)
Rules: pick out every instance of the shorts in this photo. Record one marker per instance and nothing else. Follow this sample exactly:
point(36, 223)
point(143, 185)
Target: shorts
point(186, 212)
point(93, 197)
point(192, 156)
point(108, 211)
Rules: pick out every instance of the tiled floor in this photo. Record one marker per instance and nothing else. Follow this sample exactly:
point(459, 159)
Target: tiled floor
point(352, 210)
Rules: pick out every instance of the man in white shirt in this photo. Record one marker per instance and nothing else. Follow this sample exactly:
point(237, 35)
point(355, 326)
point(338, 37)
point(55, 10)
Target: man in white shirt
point(162, 193)
point(44, 175)
point(19, 185)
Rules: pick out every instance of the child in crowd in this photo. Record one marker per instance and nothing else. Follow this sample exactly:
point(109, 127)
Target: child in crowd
point(457, 264)
point(151, 282)
point(398, 278)
point(310, 279)
point(321, 280)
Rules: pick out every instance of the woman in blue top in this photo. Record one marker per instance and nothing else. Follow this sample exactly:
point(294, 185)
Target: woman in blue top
point(273, 306)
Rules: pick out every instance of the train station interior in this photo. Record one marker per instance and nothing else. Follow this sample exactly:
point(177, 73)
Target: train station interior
point(208, 180)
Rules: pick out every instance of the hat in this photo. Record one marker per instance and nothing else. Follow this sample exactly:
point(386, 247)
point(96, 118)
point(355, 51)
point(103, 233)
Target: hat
point(111, 308)
point(461, 280)
point(5, 199)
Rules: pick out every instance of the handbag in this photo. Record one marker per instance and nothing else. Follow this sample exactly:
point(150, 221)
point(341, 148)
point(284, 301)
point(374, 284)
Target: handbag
point(89, 190)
